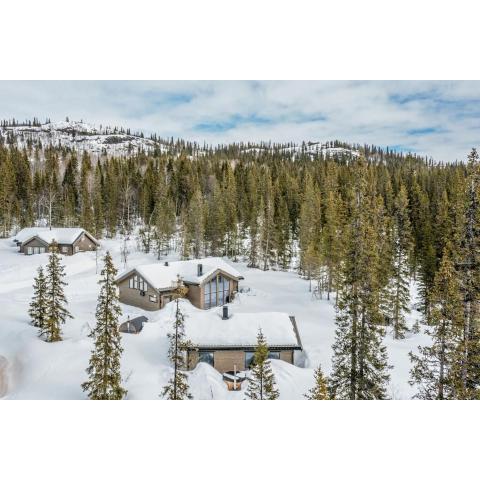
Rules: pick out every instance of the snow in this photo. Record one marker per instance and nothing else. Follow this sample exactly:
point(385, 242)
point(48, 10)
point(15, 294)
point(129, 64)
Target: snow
point(37, 370)
point(60, 235)
point(83, 137)
point(161, 276)
point(207, 328)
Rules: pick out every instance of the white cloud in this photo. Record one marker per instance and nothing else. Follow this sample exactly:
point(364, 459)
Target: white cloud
point(381, 113)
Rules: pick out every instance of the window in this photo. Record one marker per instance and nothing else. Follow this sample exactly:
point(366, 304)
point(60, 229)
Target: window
point(274, 355)
point(64, 249)
point(29, 250)
point(77, 248)
point(216, 291)
point(152, 298)
point(42, 249)
point(138, 283)
point(206, 357)
point(249, 360)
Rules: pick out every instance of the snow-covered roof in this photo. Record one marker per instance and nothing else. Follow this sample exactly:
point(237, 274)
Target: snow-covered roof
point(60, 235)
point(161, 276)
point(208, 329)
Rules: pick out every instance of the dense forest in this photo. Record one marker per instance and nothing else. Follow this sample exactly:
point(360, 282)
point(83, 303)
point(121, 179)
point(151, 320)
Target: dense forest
point(359, 227)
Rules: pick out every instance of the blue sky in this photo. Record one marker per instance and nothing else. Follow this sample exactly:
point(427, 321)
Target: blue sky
point(440, 119)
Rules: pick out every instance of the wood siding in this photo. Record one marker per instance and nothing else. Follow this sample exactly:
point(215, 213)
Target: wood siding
point(195, 295)
point(84, 244)
point(131, 296)
point(225, 360)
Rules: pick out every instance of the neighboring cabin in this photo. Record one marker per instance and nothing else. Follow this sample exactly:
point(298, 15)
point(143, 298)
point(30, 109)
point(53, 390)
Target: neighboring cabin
point(35, 240)
point(227, 342)
point(210, 281)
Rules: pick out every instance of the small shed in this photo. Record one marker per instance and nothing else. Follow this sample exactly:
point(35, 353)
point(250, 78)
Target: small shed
point(134, 325)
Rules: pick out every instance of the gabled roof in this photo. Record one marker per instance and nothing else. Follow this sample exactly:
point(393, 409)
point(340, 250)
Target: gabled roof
point(207, 329)
point(163, 277)
point(60, 235)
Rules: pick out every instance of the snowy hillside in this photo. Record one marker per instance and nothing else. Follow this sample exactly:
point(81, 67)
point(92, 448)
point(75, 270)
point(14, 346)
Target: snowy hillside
point(81, 137)
point(311, 149)
point(38, 370)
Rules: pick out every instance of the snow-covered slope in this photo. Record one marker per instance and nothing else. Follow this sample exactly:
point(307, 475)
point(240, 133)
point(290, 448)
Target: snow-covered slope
point(312, 149)
point(81, 137)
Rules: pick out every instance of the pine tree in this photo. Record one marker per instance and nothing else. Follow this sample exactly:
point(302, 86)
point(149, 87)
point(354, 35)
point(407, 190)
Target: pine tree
point(56, 311)
point(261, 383)
point(320, 389)
point(437, 369)
point(177, 386)
point(398, 291)
point(310, 231)
point(105, 381)
point(38, 305)
point(468, 267)
point(360, 369)
point(164, 218)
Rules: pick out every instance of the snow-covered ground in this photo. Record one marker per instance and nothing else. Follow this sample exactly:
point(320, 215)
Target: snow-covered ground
point(38, 370)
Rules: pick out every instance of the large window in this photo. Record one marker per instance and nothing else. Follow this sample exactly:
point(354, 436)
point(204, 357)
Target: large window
point(216, 291)
point(206, 357)
point(137, 283)
point(274, 355)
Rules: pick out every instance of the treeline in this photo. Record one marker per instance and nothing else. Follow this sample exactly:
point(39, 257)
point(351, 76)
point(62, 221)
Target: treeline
point(359, 228)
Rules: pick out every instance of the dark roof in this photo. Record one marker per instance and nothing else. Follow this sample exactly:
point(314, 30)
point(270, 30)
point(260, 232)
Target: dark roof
point(134, 325)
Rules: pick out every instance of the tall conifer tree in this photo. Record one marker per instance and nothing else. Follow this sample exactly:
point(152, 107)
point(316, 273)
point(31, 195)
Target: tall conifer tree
point(360, 369)
point(177, 386)
point(56, 310)
point(261, 383)
point(38, 305)
point(437, 369)
point(105, 381)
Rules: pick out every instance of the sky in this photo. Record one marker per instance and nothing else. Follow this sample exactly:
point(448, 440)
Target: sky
point(438, 119)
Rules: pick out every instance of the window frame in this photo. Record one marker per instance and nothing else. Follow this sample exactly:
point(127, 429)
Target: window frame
point(274, 352)
point(211, 355)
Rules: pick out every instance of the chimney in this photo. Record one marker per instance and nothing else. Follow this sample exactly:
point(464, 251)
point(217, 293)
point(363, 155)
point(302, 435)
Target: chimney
point(166, 264)
point(225, 312)
point(199, 270)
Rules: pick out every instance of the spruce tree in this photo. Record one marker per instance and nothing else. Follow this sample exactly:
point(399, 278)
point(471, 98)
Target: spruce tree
point(468, 266)
point(38, 305)
point(437, 369)
point(398, 291)
point(105, 381)
point(261, 383)
point(320, 390)
point(360, 369)
point(177, 386)
point(56, 311)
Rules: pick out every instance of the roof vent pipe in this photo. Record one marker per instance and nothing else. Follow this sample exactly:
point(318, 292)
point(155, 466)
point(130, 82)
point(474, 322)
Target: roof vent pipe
point(225, 313)
point(199, 270)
